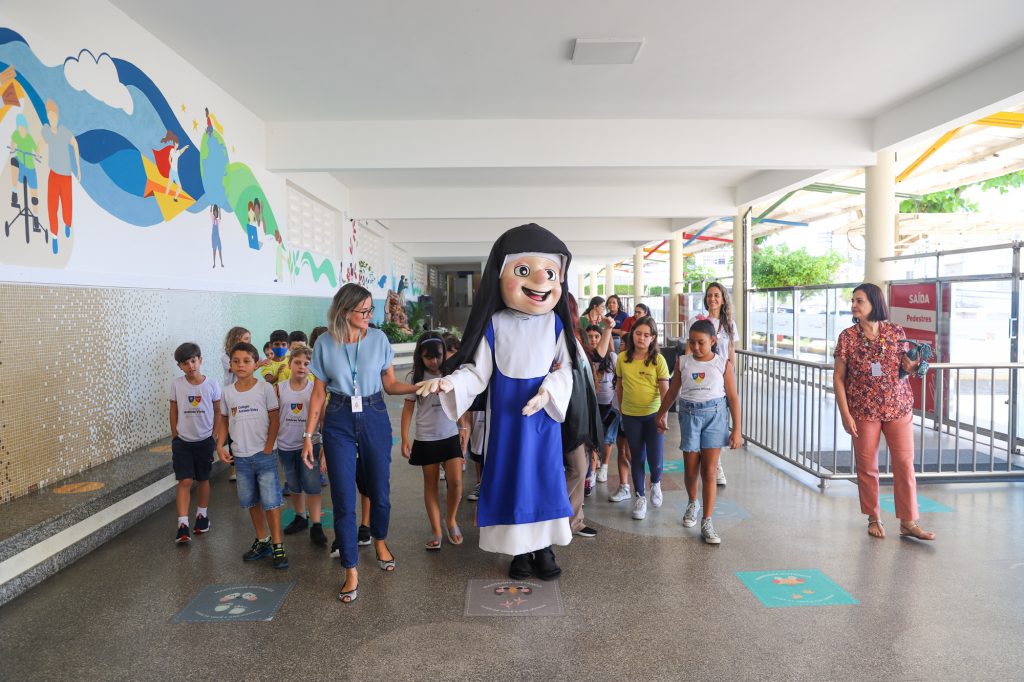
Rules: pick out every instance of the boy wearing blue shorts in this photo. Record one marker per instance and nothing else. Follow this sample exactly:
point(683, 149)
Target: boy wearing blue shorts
point(251, 410)
point(195, 420)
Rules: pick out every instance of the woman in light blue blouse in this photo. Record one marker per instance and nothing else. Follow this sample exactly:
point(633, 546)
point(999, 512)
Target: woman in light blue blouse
point(353, 363)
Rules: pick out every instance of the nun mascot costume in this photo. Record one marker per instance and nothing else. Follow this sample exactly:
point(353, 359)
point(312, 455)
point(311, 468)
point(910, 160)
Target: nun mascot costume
point(515, 336)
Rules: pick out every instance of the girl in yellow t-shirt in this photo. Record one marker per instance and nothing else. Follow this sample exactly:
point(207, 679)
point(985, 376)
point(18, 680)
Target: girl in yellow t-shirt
point(642, 381)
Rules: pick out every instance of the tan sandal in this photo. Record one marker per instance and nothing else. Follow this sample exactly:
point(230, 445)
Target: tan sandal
point(881, 526)
point(915, 531)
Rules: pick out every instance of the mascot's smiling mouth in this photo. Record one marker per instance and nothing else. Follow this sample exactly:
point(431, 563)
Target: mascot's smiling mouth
point(539, 296)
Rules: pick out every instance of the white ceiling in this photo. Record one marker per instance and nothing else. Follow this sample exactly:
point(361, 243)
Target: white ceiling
point(457, 117)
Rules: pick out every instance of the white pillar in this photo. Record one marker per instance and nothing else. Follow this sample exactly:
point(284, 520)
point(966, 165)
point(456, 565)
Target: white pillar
point(609, 280)
point(593, 283)
point(638, 274)
point(741, 254)
point(579, 289)
point(880, 219)
point(675, 282)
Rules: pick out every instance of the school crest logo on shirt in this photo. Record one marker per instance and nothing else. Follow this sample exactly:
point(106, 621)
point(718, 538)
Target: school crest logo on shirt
point(297, 408)
point(234, 411)
point(698, 376)
point(194, 400)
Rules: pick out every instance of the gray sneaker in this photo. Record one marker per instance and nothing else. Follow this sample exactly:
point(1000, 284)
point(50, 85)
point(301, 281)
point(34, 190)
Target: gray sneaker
point(619, 495)
point(690, 517)
point(707, 531)
point(474, 495)
point(640, 508)
point(720, 475)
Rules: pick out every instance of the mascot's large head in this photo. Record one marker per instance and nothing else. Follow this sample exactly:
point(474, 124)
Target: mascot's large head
point(526, 271)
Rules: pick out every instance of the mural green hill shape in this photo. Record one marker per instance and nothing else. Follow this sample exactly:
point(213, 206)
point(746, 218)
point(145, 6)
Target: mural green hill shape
point(242, 187)
point(325, 269)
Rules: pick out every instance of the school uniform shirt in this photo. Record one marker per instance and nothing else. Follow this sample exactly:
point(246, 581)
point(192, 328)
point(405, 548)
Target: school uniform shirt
point(248, 414)
point(722, 336)
point(605, 382)
point(431, 422)
point(225, 363)
point(294, 415)
point(701, 381)
point(640, 394)
point(195, 408)
point(372, 356)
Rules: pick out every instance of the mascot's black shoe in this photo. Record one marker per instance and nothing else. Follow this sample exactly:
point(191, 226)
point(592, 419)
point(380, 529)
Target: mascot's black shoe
point(520, 569)
point(544, 566)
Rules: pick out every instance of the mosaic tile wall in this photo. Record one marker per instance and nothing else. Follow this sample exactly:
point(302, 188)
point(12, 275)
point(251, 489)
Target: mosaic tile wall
point(84, 371)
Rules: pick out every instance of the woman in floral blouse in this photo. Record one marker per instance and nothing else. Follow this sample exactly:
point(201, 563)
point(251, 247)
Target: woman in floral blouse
point(872, 400)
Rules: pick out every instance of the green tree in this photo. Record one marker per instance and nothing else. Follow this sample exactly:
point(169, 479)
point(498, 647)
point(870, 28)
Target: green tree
point(944, 201)
point(779, 266)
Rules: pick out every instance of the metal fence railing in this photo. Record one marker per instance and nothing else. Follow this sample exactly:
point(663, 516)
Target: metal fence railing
point(967, 430)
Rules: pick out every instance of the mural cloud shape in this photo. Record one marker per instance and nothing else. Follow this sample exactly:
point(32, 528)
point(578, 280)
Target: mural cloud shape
point(98, 77)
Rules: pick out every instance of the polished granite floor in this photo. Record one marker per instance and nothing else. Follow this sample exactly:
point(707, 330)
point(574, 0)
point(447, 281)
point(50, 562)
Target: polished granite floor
point(643, 600)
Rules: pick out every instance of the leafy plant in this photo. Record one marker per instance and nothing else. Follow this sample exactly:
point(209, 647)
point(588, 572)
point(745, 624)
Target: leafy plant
point(396, 335)
point(944, 201)
point(778, 266)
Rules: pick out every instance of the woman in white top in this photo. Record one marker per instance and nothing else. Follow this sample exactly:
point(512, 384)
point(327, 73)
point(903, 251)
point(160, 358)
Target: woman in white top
point(716, 302)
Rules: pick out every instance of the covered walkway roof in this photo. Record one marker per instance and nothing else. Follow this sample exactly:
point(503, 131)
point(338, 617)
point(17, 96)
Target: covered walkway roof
point(451, 121)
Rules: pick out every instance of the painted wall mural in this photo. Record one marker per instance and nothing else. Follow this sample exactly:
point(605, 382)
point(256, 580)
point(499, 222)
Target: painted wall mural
point(94, 147)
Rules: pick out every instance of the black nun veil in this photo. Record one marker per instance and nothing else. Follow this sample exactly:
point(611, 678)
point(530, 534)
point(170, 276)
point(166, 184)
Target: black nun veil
point(531, 238)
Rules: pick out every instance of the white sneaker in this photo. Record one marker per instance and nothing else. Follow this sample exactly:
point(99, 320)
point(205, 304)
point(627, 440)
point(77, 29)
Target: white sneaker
point(640, 508)
point(720, 475)
point(592, 479)
point(707, 531)
point(602, 473)
point(619, 495)
point(656, 496)
point(690, 517)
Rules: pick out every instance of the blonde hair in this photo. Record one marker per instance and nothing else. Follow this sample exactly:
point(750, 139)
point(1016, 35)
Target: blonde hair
point(344, 302)
point(301, 350)
point(234, 335)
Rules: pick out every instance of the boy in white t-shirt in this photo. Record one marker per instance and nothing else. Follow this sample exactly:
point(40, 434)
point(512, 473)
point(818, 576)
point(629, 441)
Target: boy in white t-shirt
point(251, 409)
point(195, 420)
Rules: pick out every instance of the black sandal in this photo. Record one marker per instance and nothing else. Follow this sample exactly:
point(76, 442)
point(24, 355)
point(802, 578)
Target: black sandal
point(388, 565)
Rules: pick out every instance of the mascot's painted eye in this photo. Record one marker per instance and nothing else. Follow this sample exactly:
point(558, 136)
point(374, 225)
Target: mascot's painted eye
point(522, 270)
point(552, 275)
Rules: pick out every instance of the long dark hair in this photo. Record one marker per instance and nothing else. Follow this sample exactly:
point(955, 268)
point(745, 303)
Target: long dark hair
point(594, 302)
point(647, 311)
point(602, 363)
point(430, 344)
point(652, 351)
point(725, 314)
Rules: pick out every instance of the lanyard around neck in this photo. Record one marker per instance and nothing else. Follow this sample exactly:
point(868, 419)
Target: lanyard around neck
point(354, 366)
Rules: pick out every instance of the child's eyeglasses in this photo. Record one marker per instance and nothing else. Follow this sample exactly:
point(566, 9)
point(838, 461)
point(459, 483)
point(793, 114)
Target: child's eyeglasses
point(365, 312)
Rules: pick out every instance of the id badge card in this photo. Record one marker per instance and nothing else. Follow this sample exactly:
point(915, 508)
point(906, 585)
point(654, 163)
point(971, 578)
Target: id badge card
point(357, 404)
point(876, 369)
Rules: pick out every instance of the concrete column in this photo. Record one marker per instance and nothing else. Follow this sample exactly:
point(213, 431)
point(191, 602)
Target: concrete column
point(880, 218)
point(638, 274)
point(675, 280)
point(741, 255)
point(579, 288)
point(593, 283)
point(609, 280)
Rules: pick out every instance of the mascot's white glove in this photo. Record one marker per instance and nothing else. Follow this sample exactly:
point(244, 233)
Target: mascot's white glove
point(536, 403)
point(442, 385)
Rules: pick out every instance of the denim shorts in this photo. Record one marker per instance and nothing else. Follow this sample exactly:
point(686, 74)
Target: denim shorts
point(258, 483)
point(300, 478)
point(703, 425)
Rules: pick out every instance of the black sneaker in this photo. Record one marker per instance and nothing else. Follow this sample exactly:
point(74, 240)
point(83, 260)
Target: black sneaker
point(183, 534)
point(586, 532)
point(588, 490)
point(280, 557)
point(544, 566)
point(298, 524)
point(316, 534)
point(335, 552)
point(520, 568)
point(260, 550)
point(202, 524)
point(364, 536)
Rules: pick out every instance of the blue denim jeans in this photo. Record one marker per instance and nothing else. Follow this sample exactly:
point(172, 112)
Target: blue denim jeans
point(357, 447)
point(299, 477)
point(258, 482)
point(642, 434)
